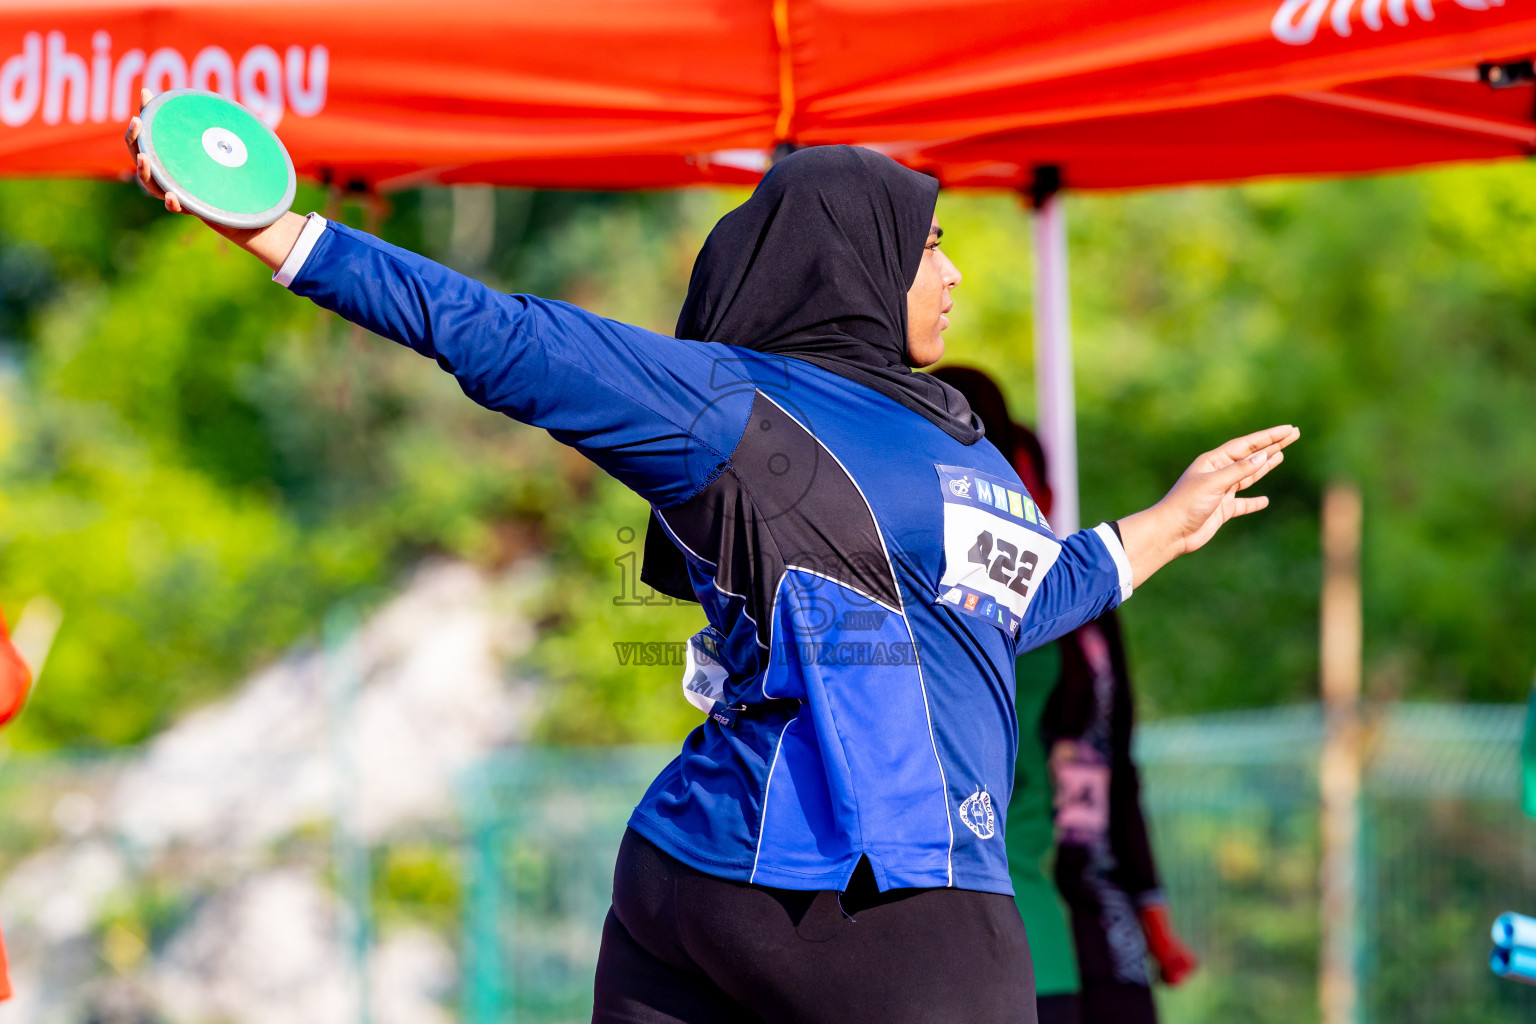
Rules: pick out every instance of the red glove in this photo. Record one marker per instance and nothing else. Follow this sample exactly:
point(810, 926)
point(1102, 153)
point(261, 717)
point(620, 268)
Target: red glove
point(1175, 961)
point(15, 678)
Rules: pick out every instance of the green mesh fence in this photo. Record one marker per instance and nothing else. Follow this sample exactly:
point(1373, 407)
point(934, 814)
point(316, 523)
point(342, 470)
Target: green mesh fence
point(1444, 850)
point(1233, 802)
point(519, 886)
point(543, 827)
point(1233, 806)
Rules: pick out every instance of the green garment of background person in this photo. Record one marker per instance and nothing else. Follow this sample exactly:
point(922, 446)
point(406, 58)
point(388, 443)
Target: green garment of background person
point(1031, 834)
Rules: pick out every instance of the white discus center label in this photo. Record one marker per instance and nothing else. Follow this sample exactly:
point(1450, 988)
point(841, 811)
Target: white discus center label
point(224, 146)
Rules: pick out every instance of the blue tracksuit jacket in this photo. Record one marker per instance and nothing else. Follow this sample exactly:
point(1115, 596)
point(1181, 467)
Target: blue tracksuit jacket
point(868, 580)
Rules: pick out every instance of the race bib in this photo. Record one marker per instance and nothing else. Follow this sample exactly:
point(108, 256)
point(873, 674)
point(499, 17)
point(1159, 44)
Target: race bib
point(704, 678)
point(997, 547)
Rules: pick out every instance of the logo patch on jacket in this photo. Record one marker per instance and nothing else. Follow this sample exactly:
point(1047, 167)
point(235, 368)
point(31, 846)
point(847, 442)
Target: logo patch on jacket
point(976, 812)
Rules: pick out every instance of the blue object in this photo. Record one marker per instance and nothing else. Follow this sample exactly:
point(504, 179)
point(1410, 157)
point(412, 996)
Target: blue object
point(864, 572)
point(1512, 929)
point(1517, 963)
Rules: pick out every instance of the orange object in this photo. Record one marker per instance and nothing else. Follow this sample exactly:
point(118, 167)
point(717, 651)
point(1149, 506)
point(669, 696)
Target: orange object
point(640, 93)
point(15, 678)
point(15, 681)
point(5, 973)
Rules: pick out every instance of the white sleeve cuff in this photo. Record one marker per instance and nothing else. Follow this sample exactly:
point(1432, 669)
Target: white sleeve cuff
point(1106, 533)
point(314, 226)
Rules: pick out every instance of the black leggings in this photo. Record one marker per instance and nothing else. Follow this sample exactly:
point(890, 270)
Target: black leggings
point(683, 947)
point(1118, 1003)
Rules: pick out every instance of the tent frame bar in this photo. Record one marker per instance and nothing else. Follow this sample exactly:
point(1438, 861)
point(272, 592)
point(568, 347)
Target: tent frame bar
point(1056, 407)
point(1522, 132)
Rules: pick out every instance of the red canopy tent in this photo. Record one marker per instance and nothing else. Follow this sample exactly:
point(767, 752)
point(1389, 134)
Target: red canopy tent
point(621, 94)
point(1370, 126)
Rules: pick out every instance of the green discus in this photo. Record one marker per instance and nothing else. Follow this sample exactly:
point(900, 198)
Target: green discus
point(223, 163)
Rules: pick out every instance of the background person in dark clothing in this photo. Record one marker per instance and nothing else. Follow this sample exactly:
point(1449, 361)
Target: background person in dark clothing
point(1104, 864)
point(1076, 707)
point(1030, 835)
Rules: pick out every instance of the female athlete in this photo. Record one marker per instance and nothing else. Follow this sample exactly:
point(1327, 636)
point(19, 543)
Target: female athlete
point(828, 846)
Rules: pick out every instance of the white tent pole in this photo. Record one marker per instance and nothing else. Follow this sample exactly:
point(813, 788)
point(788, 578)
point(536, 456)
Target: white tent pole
point(1055, 404)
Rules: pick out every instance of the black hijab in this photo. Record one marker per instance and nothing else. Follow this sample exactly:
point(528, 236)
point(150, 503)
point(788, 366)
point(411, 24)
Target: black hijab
point(816, 265)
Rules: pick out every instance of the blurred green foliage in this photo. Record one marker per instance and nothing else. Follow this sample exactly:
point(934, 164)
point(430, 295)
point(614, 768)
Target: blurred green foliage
point(1394, 320)
point(195, 464)
point(138, 919)
point(417, 883)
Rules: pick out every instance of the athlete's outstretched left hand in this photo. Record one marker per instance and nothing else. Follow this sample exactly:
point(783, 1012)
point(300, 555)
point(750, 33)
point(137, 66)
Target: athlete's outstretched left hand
point(1205, 497)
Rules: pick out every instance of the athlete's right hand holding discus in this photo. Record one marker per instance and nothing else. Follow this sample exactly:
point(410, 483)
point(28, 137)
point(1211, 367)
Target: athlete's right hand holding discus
point(270, 244)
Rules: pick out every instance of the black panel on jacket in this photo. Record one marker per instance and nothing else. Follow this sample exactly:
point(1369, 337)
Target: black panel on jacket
point(783, 500)
point(661, 569)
